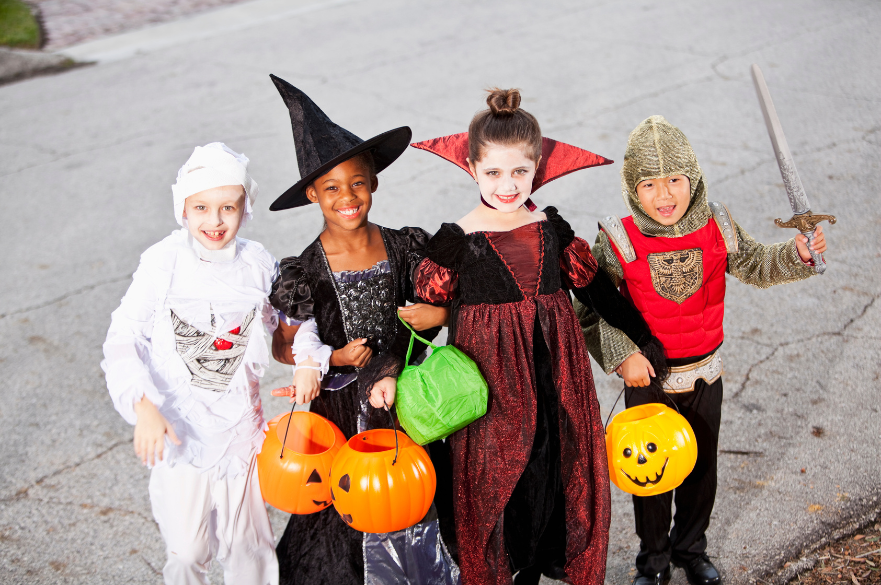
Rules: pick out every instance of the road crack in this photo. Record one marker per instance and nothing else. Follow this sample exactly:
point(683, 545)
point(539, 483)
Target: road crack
point(66, 296)
point(840, 332)
point(23, 492)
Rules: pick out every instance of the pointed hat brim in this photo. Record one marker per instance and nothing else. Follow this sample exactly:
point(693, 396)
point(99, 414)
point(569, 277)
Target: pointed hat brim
point(557, 158)
point(321, 144)
point(385, 147)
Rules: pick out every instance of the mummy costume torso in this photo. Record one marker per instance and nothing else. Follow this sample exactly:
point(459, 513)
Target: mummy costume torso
point(190, 335)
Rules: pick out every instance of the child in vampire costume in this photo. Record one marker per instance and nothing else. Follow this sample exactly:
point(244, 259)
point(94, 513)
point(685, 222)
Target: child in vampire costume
point(670, 258)
point(342, 307)
point(186, 348)
point(530, 477)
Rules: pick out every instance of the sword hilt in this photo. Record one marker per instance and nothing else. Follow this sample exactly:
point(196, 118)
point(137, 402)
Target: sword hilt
point(806, 223)
point(819, 262)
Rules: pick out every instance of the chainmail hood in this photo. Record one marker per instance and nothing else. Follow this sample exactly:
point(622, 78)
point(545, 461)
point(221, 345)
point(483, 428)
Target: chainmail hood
point(658, 149)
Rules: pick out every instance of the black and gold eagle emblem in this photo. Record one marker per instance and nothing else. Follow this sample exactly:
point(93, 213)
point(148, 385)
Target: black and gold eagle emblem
point(677, 275)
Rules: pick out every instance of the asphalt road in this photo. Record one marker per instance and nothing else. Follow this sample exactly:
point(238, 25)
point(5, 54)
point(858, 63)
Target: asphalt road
point(87, 158)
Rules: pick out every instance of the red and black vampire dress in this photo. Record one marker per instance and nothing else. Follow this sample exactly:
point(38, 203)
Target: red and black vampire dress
point(530, 482)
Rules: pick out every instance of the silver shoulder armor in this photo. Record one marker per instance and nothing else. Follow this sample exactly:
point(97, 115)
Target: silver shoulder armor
point(614, 229)
point(726, 226)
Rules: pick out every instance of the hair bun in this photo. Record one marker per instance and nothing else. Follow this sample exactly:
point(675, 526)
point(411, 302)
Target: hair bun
point(503, 102)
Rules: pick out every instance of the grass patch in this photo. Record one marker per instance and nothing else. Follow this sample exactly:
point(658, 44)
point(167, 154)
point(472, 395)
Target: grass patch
point(18, 27)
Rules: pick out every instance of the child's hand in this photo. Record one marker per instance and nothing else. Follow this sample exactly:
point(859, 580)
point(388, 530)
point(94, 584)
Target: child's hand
point(383, 392)
point(422, 316)
point(355, 353)
point(819, 245)
point(150, 432)
point(307, 383)
point(636, 371)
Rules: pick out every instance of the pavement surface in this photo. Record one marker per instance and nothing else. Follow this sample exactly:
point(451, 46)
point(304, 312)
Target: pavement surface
point(68, 22)
point(87, 158)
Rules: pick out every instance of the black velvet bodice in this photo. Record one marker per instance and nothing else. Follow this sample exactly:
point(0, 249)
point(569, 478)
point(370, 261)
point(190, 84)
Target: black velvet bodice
point(483, 275)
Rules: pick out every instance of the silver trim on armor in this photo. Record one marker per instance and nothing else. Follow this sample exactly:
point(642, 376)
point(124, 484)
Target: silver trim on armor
point(726, 226)
point(614, 229)
point(683, 378)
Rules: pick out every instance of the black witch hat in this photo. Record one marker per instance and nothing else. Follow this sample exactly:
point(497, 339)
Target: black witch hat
point(322, 145)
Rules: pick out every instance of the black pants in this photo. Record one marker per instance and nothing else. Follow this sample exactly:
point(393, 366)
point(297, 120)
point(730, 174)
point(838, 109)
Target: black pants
point(702, 408)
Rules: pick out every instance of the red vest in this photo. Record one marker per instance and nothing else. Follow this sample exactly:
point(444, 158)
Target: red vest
point(678, 284)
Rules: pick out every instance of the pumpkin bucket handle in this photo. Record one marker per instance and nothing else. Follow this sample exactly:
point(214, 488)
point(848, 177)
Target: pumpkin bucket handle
point(287, 428)
point(394, 430)
point(652, 385)
point(606, 426)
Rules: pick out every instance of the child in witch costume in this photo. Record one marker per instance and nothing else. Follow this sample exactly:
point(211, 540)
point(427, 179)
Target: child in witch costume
point(670, 258)
point(530, 477)
point(347, 286)
point(183, 358)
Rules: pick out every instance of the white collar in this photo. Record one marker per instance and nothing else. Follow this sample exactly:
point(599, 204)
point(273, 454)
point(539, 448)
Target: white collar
point(225, 254)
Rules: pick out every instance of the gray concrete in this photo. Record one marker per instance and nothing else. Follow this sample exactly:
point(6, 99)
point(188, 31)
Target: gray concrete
point(67, 23)
point(87, 159)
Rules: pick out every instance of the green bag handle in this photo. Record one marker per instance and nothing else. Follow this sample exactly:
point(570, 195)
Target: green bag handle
point(413, 335)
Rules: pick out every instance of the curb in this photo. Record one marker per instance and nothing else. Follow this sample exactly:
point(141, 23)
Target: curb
point(18, 64)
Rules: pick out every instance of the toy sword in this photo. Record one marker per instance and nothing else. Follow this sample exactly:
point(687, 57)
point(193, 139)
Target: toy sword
point(803, 220)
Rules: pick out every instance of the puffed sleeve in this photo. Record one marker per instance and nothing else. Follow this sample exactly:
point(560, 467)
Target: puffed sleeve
point(128, 344)
point(435, 284)
point(577, 264)
point(291, 292)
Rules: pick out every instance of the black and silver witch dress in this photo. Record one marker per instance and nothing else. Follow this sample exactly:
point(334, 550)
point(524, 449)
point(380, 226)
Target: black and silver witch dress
point(321, 548)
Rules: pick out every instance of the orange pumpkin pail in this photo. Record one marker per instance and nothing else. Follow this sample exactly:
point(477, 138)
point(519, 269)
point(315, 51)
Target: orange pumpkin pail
point(373, 490)
point(651, 449)
point(296, 479)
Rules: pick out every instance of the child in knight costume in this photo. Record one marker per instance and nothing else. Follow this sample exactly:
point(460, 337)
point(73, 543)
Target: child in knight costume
point(669, 259)
point(338, 302)
point(183, 359)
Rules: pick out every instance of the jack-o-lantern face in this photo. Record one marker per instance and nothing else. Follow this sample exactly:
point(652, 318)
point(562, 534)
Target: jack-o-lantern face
point(374, 493)
point(296, 479)
point(651, 449)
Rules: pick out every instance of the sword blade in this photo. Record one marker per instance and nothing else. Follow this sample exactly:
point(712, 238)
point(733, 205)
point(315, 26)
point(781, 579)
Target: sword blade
point(798, 199)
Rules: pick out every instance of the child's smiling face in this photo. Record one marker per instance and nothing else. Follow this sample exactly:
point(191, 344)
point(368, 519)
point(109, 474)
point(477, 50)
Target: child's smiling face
point(504, 176)
point(345, 194)
point(665, 200)
point(215, 215)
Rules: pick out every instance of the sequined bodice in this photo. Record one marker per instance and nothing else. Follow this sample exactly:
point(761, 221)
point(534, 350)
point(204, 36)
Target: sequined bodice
point(367, 299)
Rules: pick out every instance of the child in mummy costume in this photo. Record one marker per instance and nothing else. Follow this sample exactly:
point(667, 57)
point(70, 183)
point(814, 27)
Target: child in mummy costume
point(670, 258)
point(183, 359)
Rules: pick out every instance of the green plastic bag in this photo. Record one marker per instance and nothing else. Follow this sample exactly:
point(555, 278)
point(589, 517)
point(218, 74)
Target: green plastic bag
point(443, 394)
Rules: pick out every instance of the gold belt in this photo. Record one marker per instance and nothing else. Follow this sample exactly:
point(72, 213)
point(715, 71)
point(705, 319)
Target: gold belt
point(683, 378)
